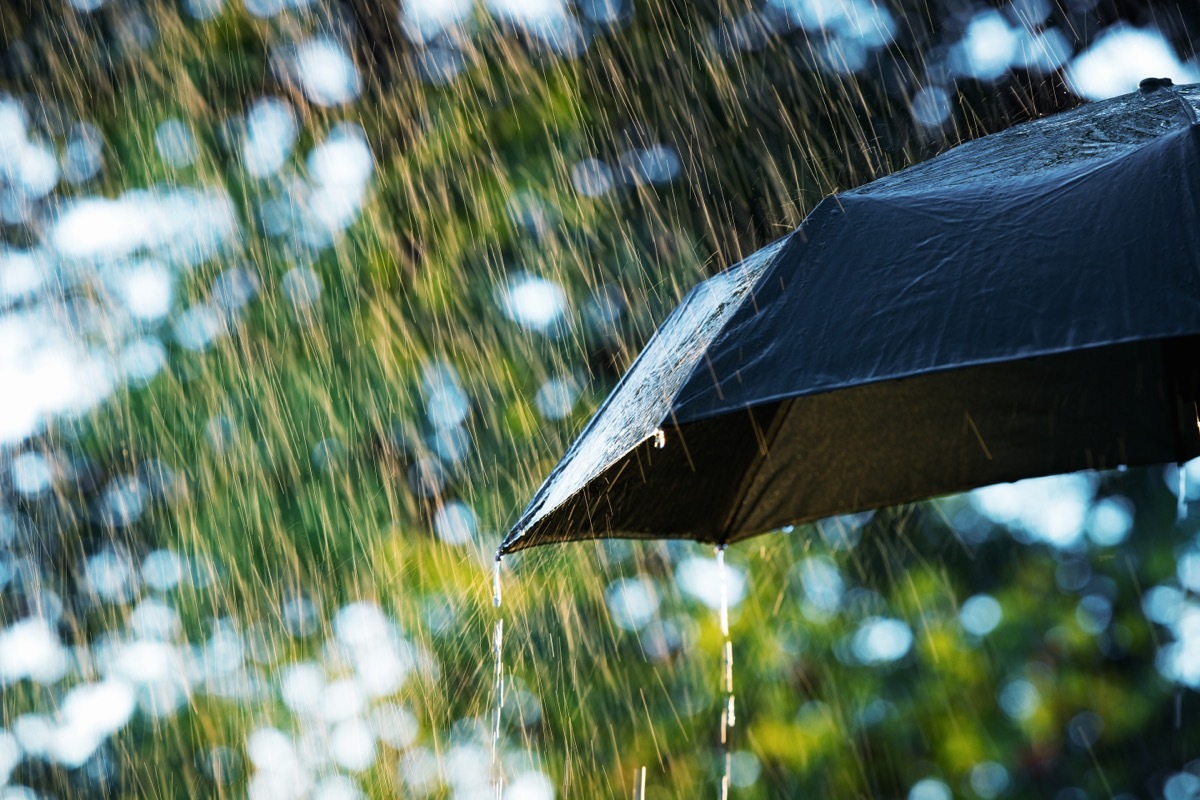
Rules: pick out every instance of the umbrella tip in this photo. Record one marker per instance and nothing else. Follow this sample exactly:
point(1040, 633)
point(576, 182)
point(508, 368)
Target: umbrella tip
point(1149, 85)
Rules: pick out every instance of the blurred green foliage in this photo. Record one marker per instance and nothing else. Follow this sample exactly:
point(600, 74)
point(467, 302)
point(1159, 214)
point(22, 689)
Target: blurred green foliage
point(413, 281)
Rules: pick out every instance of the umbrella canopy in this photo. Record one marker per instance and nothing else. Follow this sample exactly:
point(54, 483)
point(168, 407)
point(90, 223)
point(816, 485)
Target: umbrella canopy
point(1025, 304)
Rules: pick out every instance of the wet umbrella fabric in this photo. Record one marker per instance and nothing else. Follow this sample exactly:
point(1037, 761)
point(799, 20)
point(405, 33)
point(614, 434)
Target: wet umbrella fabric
point(1022, 305)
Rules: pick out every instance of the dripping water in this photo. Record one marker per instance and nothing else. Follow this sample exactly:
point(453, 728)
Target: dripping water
point(497, 639)
point(724, 592)
point(496, 581)
point(497, 657)
point(728, 717)
point(639, 784)
point(660, 438)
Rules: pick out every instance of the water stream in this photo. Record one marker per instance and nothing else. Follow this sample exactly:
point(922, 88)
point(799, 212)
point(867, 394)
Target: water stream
point(728, 717)
point(498, 658)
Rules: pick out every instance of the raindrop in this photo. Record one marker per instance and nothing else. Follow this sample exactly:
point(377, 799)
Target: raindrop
point(497, 656)
point(496, 581)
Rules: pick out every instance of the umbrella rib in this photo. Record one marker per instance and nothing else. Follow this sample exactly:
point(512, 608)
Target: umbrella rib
point(766, 442)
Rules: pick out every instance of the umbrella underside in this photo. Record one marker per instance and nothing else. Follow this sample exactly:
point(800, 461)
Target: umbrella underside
point(896, 441)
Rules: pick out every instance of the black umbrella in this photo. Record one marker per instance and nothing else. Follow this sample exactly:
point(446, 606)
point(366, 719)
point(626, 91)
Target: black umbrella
point(1025, 304)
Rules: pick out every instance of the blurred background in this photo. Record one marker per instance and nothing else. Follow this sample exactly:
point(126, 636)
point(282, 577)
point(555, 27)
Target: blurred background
point(301, 299)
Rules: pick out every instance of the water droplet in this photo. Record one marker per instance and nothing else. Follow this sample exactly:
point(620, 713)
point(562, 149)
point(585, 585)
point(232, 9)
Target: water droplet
point(497, 655)
point(496, 582)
